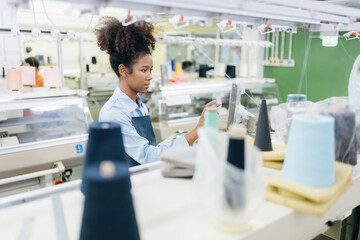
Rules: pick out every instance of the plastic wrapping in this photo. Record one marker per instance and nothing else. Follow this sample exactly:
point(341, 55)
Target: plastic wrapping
point(354, 83)
point(242, 115)
point(281, 115)
point(278, 120)
point(231, 195)
point(345, 127)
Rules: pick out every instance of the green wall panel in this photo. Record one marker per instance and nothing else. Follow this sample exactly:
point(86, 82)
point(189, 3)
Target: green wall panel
point(327, 68)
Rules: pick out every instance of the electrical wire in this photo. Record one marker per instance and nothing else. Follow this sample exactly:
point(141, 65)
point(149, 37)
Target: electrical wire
point(304, 67)
point(53, 24)
point(347, 53)
point(34, 14)
point(88, 27)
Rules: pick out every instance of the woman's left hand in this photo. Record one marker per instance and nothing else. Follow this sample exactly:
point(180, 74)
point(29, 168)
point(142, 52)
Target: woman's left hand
point(193, 135)
point(202, 117)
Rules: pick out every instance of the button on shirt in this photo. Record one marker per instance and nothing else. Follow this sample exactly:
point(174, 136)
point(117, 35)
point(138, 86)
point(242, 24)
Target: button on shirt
point(120, 108)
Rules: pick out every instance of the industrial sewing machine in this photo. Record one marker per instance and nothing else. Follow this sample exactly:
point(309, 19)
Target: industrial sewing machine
point(43, 133)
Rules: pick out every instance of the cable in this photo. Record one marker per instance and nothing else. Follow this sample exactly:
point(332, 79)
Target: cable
point(347, 53)
point(88, 27)
point(307, 50)
point(42, 1)
point(33, 8)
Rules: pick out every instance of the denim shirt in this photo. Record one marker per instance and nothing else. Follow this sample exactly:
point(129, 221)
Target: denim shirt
point(120, 108)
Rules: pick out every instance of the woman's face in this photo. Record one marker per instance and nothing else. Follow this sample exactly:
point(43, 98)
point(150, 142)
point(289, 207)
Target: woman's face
point(139, 79)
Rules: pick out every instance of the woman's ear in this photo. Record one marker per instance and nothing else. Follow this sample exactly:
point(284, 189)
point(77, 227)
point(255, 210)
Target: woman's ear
point(123, 70)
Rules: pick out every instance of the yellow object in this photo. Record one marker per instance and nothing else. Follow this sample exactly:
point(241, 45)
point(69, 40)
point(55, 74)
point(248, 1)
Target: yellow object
point(277, 154)
point(303, 204)
point(178, 69)
point(274, 164)
point(342, 171)
point(310, 200)
point(232, 228)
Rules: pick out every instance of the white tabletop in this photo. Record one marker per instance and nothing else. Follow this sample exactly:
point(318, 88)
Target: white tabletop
point(165, 209)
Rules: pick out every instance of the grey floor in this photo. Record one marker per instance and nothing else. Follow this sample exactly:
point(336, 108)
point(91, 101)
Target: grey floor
point(334, 232)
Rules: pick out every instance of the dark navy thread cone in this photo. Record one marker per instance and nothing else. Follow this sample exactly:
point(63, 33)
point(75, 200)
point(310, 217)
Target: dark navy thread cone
point(236, 153)
point(202, 70)
point(236, 156)
point(345, 140)
point(231, 71)
point(105, 142)
point(108, 210)
point(262, 137)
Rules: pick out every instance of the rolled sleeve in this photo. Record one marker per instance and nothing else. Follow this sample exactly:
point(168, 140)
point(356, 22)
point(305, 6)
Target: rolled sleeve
point(136, 146)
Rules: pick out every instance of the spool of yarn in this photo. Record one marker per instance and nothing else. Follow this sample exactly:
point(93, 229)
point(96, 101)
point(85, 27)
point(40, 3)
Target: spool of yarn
point(172, 64)
point(165, 73)
point(178, 69)
point(243, 72)
point(187, 66)
point(251, 125)
point(13, 79)
point(296, 98)
point(202, 70)
point(262, 136)
point(310, 153)
point(254, 70)
point(221, 68)
point(108, 209)
point(52, 77)
point(104, 142)
point(231, 71)
point(296, 103)
point(211, 117)
point(236, 153)
point(27, 75)
point(93, 60)
point(345, 137)
point(235, 193)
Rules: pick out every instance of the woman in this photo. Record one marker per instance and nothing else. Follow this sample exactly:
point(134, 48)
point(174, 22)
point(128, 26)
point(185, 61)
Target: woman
point(39, 79)
point(130, 48)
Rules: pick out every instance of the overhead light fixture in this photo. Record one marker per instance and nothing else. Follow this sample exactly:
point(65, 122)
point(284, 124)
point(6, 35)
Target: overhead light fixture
point(351, 35)
point(55, 33)
point(269, 28)
point(72, 35)
point(181, 21)
point(329, 39)
point(35, 32)
point(228, 25)
point(15, 32)
point(136, 17)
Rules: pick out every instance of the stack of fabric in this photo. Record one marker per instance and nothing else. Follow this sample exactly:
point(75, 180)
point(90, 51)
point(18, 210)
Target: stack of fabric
point(311, 200)
point(275, 158)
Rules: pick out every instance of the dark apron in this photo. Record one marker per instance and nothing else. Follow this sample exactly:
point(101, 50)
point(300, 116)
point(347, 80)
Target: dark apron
point(143, 128)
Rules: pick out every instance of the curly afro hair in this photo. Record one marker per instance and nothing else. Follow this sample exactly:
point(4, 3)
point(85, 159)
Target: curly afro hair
point(124, 44)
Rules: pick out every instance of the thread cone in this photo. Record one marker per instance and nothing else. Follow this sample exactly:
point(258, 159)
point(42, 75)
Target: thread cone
point(262, 137)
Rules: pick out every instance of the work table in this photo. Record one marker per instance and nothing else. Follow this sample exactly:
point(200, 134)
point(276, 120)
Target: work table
point(166, 208)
